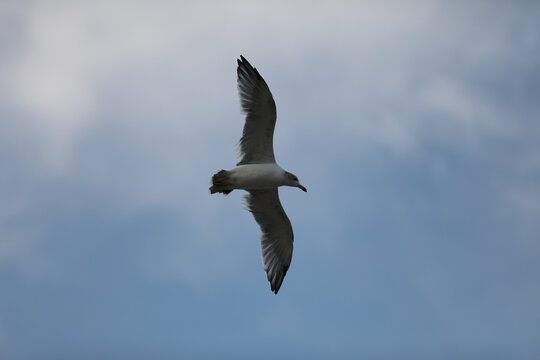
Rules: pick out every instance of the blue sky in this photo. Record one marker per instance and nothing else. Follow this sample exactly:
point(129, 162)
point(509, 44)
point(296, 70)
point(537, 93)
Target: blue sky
point(413, 125)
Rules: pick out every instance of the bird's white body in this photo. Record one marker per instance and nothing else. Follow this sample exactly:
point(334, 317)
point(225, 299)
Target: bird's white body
point(257, 176)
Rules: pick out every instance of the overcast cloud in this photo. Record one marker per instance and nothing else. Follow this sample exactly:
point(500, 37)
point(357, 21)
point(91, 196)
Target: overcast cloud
point(414, 126)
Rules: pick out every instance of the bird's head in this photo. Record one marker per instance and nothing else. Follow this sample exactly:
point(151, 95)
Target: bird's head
point(292, 180)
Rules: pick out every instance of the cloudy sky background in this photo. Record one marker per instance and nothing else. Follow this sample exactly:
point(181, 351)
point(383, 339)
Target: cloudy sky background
point(414, 126)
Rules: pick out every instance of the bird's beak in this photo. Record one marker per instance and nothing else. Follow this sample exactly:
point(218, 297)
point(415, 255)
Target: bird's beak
point(301, 187)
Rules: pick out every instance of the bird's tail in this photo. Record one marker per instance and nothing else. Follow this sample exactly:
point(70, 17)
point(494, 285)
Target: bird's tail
point(220, 183)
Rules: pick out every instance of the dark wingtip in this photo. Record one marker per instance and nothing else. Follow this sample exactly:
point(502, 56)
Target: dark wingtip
point(243, 61)
point(245, 67)
point(275, 284)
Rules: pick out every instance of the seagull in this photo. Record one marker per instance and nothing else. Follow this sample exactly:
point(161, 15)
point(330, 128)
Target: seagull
point(258, 174)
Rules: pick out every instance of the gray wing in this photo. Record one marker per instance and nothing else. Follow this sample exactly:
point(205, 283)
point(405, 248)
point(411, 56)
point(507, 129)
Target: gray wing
point(276, 234)
point(255, 146)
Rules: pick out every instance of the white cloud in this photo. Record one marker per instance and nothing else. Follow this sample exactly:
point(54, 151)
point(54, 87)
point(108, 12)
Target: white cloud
point(473, 114)
point(69, 52)
point(72, 51)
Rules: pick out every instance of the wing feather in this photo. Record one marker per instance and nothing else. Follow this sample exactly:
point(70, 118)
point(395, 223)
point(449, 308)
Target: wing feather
point(256, 144)
point(276, 234)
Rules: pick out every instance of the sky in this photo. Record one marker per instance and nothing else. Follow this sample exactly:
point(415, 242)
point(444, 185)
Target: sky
point(414, 126)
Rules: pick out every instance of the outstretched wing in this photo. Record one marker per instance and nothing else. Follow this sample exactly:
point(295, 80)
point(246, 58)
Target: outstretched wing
point(276, 234)
point(255, 146)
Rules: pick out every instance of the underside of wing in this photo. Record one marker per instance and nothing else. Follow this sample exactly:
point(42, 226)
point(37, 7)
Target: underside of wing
point(276, 234)
point(255, 146)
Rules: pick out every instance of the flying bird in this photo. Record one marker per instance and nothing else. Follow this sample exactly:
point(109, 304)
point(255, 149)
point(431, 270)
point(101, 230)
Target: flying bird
point(258, 174)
